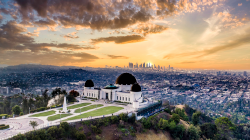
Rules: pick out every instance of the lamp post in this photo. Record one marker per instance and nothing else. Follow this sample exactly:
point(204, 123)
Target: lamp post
point(29, 110)
point(60, 117)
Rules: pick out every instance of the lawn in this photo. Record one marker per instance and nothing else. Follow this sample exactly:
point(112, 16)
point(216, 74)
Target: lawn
point(57, 116)
point(76, 106)
point(98, 112)
point(88, 108)
point(44, 114)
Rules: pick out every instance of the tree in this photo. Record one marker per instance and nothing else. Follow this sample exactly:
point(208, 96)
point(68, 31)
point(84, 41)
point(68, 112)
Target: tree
point(176, 118)
point(74, 93)
point(132, 118)
point(193, 133)
point(25, 106)
point(209, 130)
point(33, 124)
point(225, 127)
point(195, 118)
point(58, 91)
point(16, 110)
point(124, 117)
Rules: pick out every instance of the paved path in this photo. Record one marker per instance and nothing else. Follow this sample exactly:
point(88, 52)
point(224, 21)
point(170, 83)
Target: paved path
point(21, 124)
point(17, 125)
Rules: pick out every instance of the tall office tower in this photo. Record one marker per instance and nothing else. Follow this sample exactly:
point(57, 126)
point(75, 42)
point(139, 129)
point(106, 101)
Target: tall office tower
point(140, 66)
point(244, 73)
point(159, 67)
point(136, 65)
point(144, 65)
point(164, 68)
point(131, 65)
point(169, 67)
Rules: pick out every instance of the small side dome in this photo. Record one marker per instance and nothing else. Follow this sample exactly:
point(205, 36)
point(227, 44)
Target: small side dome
point(89, 83)
point(136, 88)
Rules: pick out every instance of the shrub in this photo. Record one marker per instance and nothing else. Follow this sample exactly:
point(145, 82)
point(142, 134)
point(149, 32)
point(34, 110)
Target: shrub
point(1, 115)
point(95, 129)
point(98, 137)
point(124, 117)
point(21, 113)
point(80, 128)
point(80, 135)
point(2, 127)
point(114, 119)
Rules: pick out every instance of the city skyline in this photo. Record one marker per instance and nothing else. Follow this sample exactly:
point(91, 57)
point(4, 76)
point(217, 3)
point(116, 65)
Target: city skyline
point(195, 34)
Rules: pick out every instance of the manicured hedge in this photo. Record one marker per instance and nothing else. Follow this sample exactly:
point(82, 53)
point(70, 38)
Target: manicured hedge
point(1, 116)
point(2, 127)
point(44, 108)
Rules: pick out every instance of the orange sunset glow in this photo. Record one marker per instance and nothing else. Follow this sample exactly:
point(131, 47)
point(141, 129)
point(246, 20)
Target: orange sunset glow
point(204, 34)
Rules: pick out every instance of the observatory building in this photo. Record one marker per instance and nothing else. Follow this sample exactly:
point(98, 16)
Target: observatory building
point(125, 89)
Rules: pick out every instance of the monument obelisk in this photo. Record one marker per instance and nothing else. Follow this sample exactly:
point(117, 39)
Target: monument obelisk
point(64, 105)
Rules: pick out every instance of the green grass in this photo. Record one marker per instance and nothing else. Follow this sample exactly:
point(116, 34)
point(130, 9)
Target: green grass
point(57, 116)
point(98, 112)
point(76, 106)
point(88, 108)
point(43, 114)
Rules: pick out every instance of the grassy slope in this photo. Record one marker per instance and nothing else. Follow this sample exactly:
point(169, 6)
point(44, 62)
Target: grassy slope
point(98, 112)
point(44, 114)
point(76, 106)
point(87, 108)
point(57, 116)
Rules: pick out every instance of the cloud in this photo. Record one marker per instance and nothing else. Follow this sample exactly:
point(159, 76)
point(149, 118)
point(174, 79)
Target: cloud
point(51, 58)
point(146, 29)
point(96, 14)
point(70, 36)
point(117, 57)
point(119, 39)
point(238, 42)
point(239, 4)
point(12, 38)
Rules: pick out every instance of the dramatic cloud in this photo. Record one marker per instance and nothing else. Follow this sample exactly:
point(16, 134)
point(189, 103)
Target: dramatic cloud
point(96, 14)
point(119, 39)
point(149, 29)
point(117, 57)
point(12, 38)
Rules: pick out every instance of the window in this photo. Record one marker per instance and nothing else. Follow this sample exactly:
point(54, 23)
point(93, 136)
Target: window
point(92, 94)
point(117, 97)
point(87, 94)
point(123, 98)
point(126, 98)
point(120, 98)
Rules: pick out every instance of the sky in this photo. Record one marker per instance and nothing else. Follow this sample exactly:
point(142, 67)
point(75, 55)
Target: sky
point(203, 34)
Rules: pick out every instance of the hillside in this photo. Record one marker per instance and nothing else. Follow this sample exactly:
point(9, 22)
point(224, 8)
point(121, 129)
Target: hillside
point(169, 124)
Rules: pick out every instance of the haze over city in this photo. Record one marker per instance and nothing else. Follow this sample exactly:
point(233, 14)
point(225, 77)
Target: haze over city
point(205, 34)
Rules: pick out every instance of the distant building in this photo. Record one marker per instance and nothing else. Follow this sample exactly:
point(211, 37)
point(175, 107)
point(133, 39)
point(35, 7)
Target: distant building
point(144, 65)
point(131, 65)
point(244, 73)
point(17, 90)
point(4, 90)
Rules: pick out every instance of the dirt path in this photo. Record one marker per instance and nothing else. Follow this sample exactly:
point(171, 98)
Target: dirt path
point(151, 135)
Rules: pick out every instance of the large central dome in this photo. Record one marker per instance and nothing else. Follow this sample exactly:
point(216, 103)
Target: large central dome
point(125, 79)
